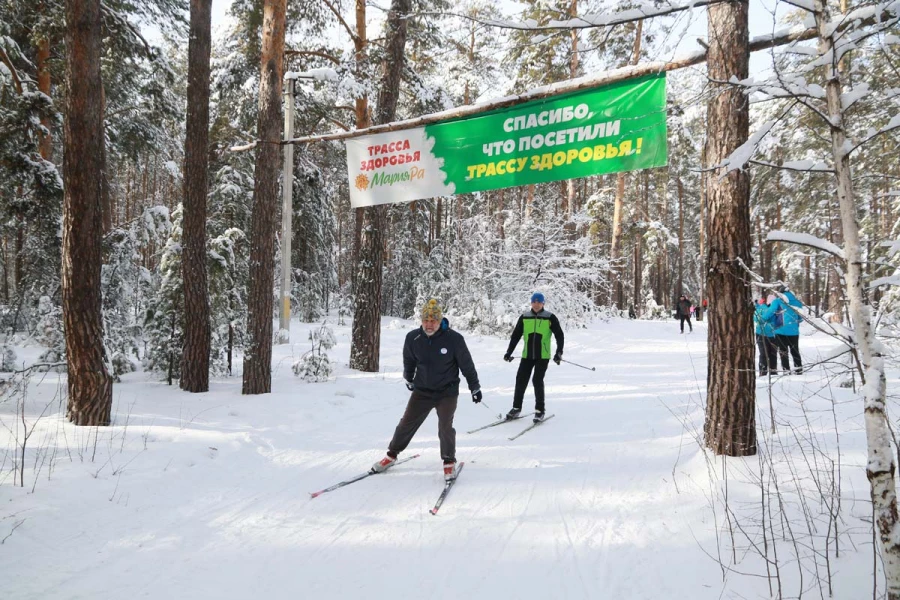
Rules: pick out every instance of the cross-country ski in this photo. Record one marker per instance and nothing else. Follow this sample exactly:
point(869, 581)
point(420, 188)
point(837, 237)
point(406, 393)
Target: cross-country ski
point(532, 426)
point(448, 485)
point(500, 422)
point(368, 473)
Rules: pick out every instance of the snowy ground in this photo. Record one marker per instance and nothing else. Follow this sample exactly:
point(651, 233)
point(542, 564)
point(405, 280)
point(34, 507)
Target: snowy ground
point(207, 496)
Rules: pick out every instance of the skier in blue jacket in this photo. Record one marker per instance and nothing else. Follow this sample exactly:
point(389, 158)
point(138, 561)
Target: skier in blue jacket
point(765, 341)
point(787, 336)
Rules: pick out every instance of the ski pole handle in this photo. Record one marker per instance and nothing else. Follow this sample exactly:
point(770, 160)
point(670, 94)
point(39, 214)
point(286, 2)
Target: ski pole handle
point(577, 365)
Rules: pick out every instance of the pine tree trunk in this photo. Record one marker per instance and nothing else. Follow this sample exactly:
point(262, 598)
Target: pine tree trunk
point(704, 211)
point(365, 351)
point(615, 273)
point(361, 109)
point(257, 377)
point(880, 466)
point(89, 383)
point(680, 238)
point(195, 353)
point(43, 80)
point(730, 426)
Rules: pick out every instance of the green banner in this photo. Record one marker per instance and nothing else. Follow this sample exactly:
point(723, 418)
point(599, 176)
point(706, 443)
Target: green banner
point(620, 127)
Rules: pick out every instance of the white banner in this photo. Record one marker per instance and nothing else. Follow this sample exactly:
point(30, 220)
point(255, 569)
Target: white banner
point(394, 167)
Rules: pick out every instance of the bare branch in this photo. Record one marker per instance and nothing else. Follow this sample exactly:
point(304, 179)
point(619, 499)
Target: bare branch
point(334, 10)
point(790, 167)
point(15, 74)
point(124, 22)
point(582, 22)
point(318, 53)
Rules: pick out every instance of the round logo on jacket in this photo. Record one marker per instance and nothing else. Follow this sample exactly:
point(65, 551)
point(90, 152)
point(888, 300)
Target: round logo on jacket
point(443, 351)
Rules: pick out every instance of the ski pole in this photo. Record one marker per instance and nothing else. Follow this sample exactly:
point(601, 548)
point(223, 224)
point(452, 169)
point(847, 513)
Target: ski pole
point(499, 415)
point(577, 365)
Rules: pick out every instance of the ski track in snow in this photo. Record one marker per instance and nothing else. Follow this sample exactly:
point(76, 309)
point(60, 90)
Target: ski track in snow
point(217, 506)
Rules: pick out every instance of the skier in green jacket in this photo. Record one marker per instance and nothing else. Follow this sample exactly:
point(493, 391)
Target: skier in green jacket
point(535, 325)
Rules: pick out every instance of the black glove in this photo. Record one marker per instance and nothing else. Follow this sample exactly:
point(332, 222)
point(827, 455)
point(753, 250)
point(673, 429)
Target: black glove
point(476, 396)
point(557, 358)
point(409, 385)
point(508, 357)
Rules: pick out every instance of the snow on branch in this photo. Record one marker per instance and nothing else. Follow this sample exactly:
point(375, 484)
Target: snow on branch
point(807, 5)
point(588, 21)
point(804, 239)
point(889, 280)
point(741, 156)
point(321, 74)
point(871, 134)
point(893, 247)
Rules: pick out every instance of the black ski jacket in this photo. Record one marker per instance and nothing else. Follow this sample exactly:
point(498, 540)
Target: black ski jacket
point(433, 363)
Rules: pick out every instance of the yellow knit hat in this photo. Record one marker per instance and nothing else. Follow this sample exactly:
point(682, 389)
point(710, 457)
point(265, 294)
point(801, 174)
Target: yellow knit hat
point(432, 310)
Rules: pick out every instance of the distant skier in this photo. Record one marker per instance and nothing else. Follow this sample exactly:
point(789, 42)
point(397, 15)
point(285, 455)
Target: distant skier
point(433, 356)
point(536, 325)
point(683, 312)
point(765, 341)
point(786, 321)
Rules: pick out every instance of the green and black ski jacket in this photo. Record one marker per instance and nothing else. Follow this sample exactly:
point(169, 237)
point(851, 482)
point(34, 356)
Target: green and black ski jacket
point(536, 328)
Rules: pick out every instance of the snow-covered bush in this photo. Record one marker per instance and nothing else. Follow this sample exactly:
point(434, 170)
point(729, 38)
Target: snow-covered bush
point(7, 359)
point(653, 311)
point(49, 331)
point(314, 365)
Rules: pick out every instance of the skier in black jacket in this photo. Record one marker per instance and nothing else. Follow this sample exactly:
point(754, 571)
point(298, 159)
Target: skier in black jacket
point(536, 325)
point(433, 356)
point(683, 310)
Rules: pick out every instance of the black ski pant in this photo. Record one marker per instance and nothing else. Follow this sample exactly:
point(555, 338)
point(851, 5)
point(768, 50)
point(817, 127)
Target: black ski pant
point(684, 318)
point(539, 366)
point(417, 409)
point(792, 343)
point(768, 354)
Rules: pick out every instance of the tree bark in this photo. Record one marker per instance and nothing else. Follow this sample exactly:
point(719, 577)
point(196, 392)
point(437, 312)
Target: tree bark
point(365, 350)
point(361, 109)
point(680, 237)
point(89, 382)
point(615, 287)
point(704, 179)
point(195, 352)
point(730, 426)
point(257, 377)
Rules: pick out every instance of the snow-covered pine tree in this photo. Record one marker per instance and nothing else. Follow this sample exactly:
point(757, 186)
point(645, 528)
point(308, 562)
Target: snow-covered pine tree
point(314, 366)
point(163, 325)
point(314, 274)
point(31, 194)
point(126, 285)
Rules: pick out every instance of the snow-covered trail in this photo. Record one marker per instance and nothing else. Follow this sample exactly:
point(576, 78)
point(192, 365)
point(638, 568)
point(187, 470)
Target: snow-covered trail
point(207, 496)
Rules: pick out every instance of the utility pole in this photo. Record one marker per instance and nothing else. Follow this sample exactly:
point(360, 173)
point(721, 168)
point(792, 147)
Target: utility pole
point(287, 212)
